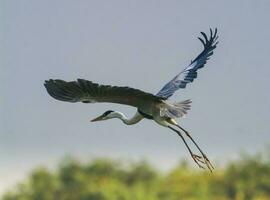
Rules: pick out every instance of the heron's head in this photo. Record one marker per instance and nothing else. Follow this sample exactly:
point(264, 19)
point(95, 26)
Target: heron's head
point(106, 115)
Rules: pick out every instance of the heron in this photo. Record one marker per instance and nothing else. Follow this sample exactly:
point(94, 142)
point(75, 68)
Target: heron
point(149, 106)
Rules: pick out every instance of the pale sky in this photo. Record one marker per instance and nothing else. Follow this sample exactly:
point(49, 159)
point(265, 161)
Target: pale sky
point(141, 44)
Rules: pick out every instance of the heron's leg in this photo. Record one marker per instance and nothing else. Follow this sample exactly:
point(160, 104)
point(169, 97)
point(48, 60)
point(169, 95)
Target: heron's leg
point(195, 157)
point(206, 160)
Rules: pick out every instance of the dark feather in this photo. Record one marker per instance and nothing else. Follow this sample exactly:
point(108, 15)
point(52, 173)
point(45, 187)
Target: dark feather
point(89, 92)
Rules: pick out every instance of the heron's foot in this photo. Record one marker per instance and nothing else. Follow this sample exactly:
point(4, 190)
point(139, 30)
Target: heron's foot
point(198, 160)
point(207, 162)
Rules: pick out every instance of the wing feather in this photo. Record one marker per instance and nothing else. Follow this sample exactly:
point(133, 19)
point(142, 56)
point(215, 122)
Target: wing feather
point(190, 72)
point(89, 92)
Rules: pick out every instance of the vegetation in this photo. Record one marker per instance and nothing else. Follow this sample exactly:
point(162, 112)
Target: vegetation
point(103, 179)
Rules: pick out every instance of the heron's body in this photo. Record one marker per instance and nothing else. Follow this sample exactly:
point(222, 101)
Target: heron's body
point(150, 106)
point(154, 112)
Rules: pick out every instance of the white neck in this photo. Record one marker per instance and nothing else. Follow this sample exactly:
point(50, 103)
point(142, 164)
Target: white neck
point(135, 119)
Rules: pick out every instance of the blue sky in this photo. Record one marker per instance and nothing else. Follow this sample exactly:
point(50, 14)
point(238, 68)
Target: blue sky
point(141, 44)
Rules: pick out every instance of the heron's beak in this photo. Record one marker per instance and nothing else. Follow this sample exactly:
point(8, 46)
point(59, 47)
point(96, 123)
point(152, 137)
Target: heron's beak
point(97, 119)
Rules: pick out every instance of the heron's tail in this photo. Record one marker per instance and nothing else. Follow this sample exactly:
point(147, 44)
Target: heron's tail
point(177, 109)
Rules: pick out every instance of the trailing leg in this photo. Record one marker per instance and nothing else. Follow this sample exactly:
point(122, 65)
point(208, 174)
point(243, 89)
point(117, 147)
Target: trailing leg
point(206, 160)
point(196, 158)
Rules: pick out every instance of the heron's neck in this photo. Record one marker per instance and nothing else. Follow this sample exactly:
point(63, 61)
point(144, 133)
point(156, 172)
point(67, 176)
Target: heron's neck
point(135, 119)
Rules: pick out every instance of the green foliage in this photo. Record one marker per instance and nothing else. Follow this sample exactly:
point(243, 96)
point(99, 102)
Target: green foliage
point(103, 179)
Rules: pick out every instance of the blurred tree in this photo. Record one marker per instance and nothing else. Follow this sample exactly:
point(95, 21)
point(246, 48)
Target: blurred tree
point(104, 179)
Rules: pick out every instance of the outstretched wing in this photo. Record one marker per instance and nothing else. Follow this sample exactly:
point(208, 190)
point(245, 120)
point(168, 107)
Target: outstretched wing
point(89, 92)
point(190, 72)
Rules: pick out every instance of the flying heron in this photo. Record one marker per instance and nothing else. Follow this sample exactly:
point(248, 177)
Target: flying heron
point(150, 106)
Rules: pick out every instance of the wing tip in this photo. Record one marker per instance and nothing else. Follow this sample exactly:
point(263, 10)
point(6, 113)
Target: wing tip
point(55, 89)
point(210, 42)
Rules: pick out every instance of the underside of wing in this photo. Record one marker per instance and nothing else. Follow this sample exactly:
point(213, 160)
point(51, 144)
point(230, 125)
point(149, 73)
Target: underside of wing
point(190, 72)
point(89, 92)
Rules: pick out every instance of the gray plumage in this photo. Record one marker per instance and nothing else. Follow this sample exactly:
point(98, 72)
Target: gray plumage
point(89, 92)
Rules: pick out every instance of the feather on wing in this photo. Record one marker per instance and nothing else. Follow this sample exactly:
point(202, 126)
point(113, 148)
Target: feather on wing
point(89, 92)
point(190, 72)
point(176, 110)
